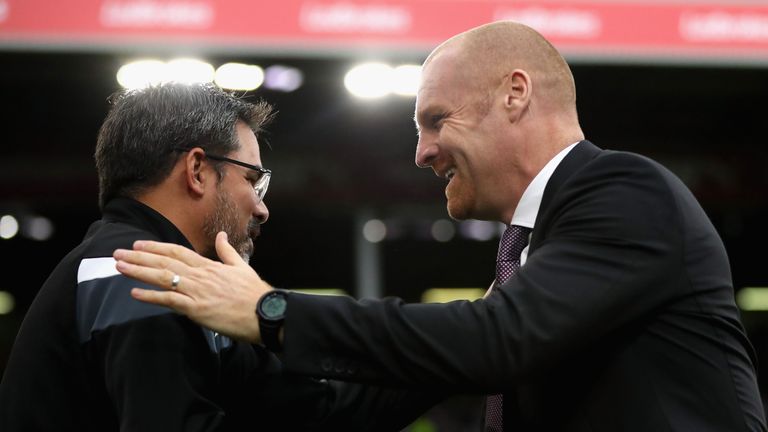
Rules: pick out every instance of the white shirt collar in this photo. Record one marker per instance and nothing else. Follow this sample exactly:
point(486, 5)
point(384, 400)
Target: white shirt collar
point(528, 207)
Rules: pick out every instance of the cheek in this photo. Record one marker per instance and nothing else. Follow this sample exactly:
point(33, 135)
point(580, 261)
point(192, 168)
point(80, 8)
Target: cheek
point(246, 204)
point(243, 197)
point(239, 201)
point(240, 208)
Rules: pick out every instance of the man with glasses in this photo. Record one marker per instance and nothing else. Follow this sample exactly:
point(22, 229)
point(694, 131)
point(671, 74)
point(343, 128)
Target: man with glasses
point(176, 163)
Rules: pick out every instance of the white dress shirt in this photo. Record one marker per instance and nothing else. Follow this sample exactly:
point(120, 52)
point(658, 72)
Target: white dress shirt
point(528, 207)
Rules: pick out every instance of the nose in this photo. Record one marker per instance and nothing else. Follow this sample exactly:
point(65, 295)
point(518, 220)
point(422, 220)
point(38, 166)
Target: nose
point(261, 214)
point(426, 151)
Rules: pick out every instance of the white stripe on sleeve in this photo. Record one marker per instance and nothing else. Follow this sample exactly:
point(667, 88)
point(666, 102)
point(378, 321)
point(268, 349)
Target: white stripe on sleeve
point(96, 268)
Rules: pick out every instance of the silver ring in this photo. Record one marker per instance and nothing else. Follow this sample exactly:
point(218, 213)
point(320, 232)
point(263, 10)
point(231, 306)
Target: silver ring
point(175, 281)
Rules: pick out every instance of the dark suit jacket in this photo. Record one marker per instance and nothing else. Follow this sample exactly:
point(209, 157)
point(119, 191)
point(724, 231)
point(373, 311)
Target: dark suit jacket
point(622, 319)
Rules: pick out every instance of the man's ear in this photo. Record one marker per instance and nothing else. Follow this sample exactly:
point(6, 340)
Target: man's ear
point(194, 174)
point(517, 89)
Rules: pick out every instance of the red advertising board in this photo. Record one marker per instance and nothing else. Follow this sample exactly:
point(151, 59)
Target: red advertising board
point(684, 29)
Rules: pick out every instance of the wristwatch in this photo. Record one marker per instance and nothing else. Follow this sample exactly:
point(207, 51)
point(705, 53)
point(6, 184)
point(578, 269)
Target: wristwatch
point(271, 313)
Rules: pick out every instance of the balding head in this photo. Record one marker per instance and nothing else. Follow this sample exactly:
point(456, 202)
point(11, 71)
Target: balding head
point(494, 106)
point(486, 54)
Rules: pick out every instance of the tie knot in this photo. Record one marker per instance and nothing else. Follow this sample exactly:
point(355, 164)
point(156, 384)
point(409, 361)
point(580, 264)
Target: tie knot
point(512, 243)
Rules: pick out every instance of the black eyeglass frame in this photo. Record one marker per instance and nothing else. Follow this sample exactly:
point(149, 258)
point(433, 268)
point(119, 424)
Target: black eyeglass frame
point(261, 182)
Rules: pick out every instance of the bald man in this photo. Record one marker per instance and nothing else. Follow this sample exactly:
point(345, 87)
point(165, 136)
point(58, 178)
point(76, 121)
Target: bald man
point(612, 308)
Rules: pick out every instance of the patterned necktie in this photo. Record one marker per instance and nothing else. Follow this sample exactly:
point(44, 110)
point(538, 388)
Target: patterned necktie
point(512, 243)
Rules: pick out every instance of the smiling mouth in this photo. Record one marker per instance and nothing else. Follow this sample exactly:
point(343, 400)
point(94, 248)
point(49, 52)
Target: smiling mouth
point(449, 174)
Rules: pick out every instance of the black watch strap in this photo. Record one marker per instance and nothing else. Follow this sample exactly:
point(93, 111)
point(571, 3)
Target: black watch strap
point(270, 336)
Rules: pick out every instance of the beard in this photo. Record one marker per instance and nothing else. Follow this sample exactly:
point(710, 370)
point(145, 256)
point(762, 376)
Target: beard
point(460, 200)
point(224, 218)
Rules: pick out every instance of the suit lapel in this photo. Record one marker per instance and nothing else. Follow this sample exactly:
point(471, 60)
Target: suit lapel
point(573, 161)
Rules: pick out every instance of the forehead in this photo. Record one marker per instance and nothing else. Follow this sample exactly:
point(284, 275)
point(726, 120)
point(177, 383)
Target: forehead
point(441, 83)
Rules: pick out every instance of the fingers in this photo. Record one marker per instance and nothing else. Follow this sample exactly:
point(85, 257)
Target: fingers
point(152, 260)
point(171, 250)
point(226, 252)
point(134, 268)
point(174, 300)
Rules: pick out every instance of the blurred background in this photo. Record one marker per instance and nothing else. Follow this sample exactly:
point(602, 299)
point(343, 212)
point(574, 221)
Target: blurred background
point(684, 82)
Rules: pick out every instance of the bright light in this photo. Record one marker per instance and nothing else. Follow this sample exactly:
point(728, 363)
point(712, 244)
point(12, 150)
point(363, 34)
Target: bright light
point(7, 302)
point(283, 78)
point(406, 79)
point(9, 227)
point(144, 73)
point(443, 230)
point(39, 228)
point(141, 73)
point(752, 299)
point(238, 76)
point(479, 230)
point(369, 80)
point(374, 231)
point(189, 71)
point(321, 291)
point(444, 295)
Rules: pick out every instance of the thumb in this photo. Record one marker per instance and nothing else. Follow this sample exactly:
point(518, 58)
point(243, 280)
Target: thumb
point(226, 252)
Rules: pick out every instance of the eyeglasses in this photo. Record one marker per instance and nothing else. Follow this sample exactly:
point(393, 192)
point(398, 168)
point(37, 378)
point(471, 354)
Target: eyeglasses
point(261, 182)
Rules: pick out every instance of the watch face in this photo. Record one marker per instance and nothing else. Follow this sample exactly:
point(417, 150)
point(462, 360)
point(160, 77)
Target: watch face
point(273, 306)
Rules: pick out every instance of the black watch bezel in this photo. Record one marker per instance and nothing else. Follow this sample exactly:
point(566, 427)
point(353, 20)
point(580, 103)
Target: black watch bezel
point(270, 324)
